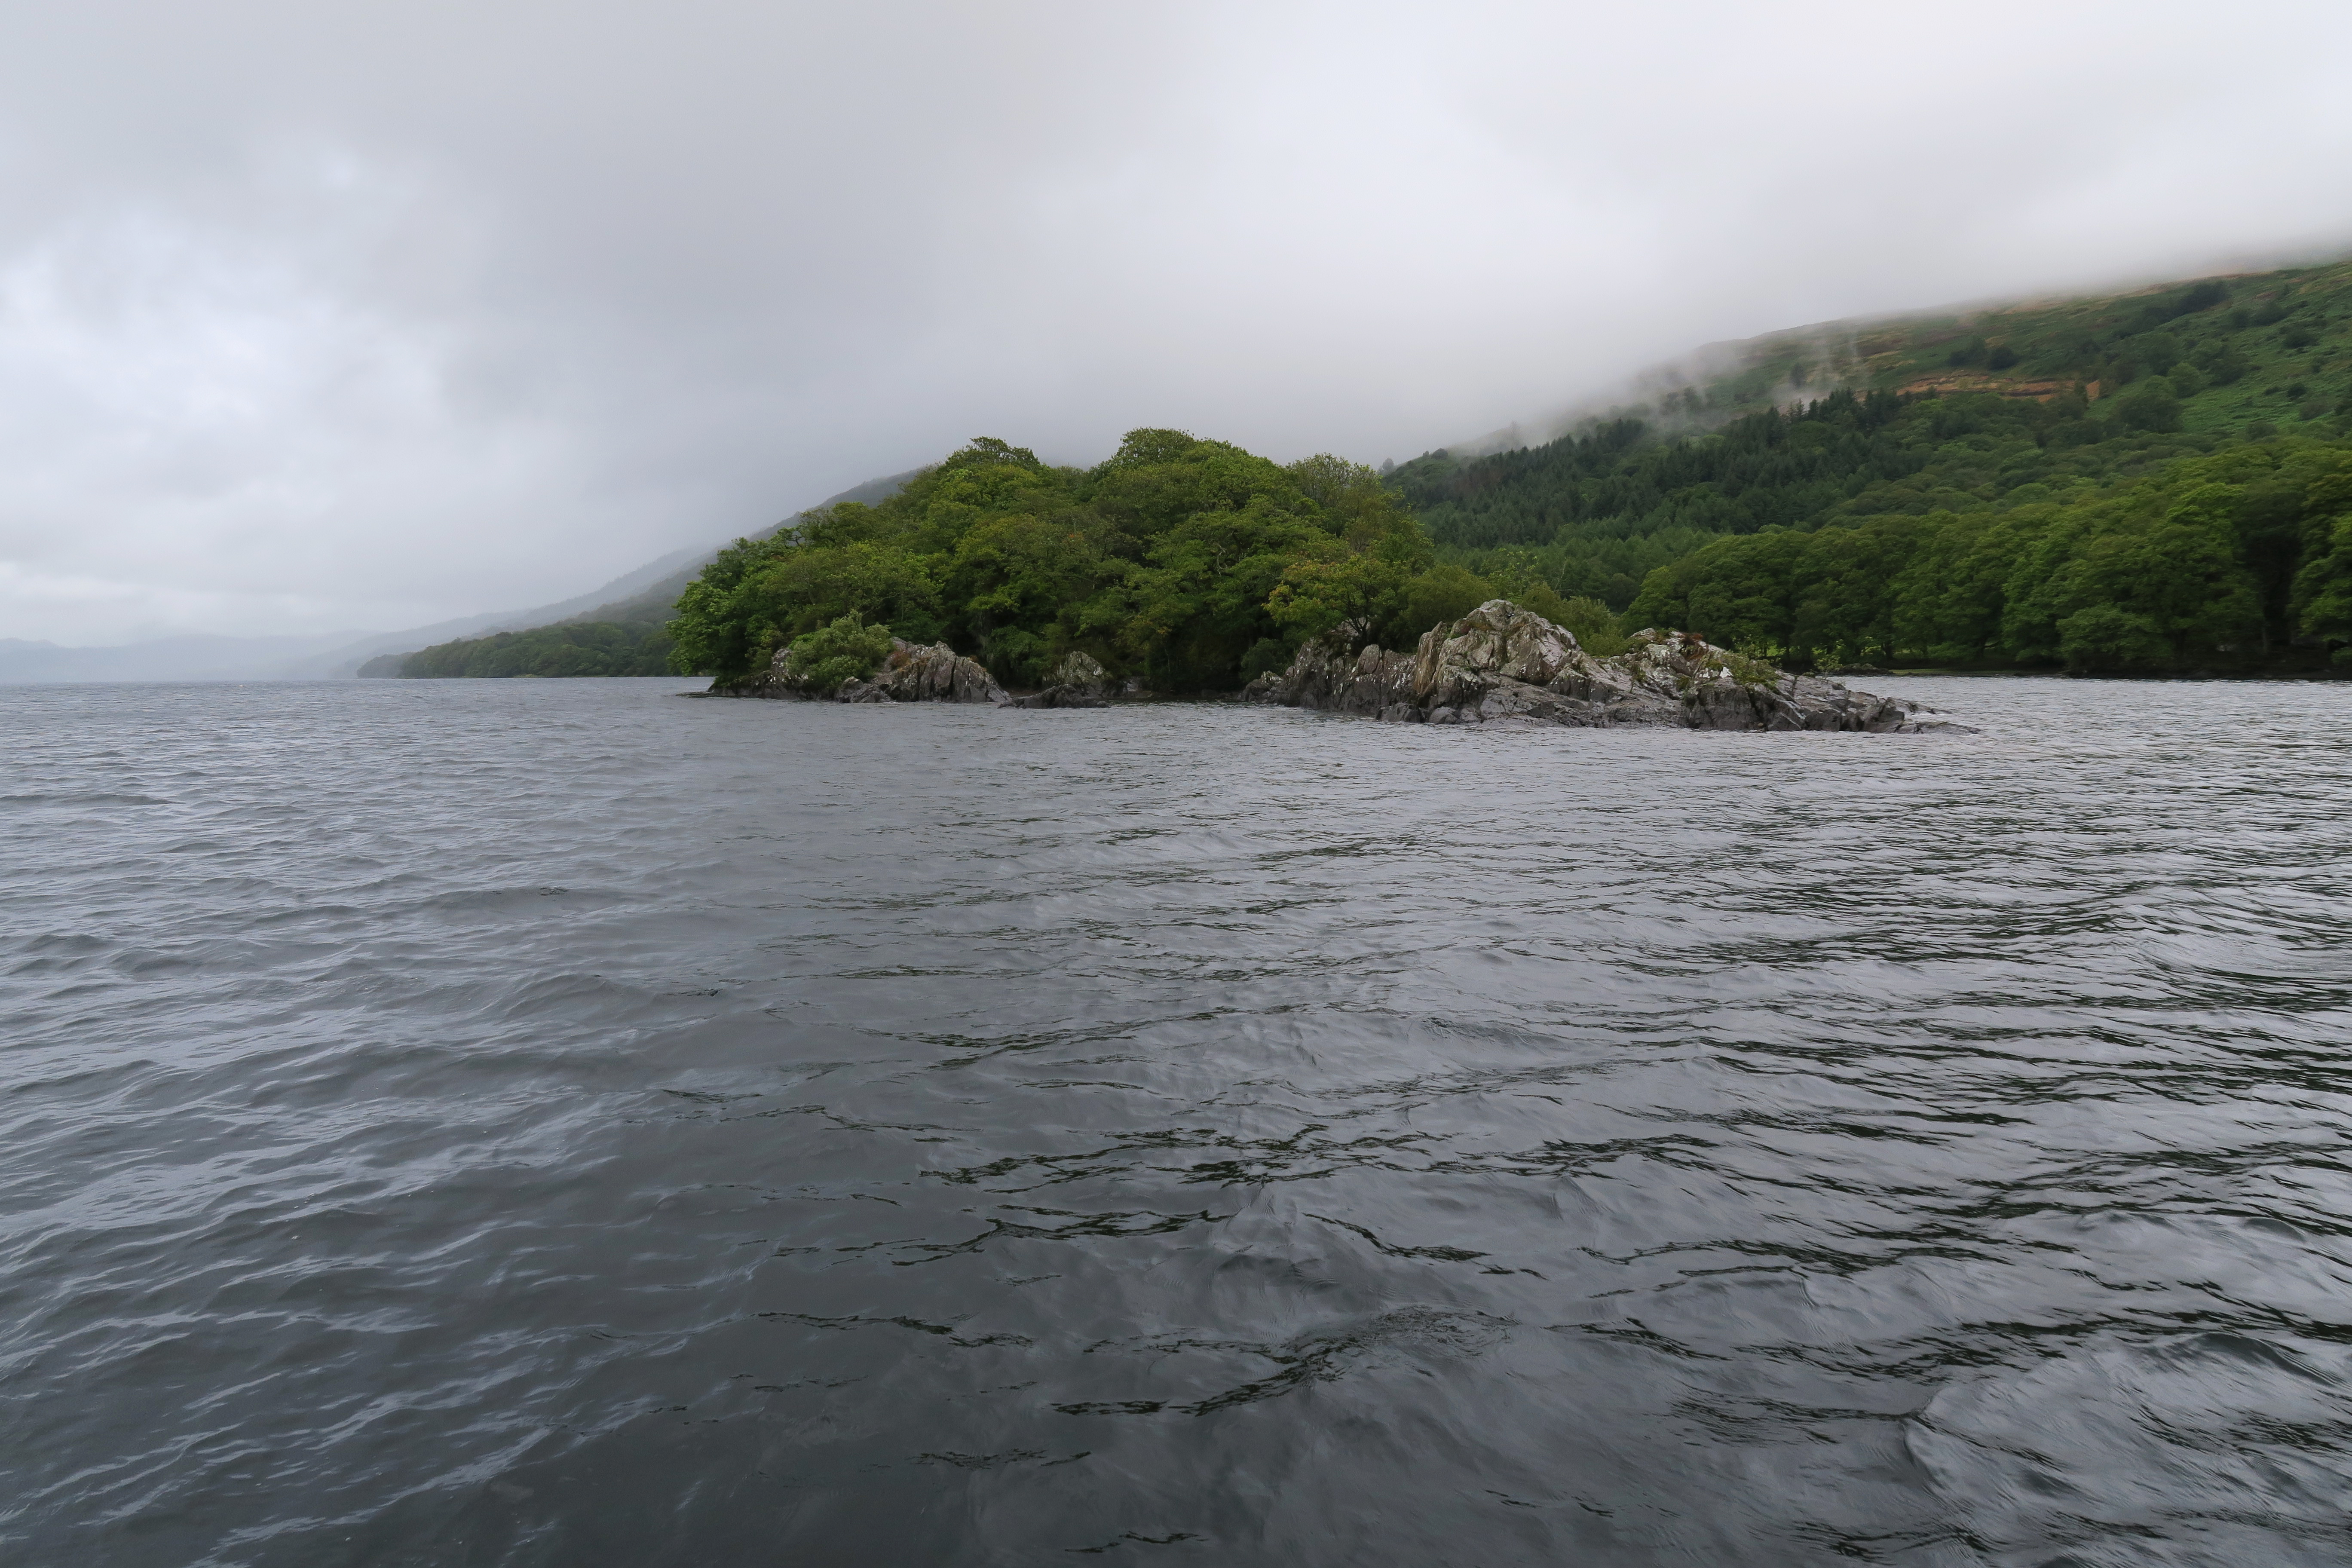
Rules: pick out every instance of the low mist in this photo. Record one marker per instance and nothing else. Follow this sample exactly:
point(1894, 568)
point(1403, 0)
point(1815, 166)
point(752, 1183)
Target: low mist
point(366, 316)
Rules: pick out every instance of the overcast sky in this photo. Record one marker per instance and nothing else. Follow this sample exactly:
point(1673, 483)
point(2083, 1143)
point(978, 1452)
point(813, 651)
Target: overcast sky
point(363, 315)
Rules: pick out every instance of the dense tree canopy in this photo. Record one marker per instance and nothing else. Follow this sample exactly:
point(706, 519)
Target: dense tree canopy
point(1596, 514)
point(1189, 563)
point(2234, 560)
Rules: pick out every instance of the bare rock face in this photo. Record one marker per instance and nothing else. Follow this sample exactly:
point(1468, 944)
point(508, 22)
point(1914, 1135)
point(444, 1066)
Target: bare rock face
point(1079, 680)
point(1501, 663)
point(1084, 674)
point(910, 673)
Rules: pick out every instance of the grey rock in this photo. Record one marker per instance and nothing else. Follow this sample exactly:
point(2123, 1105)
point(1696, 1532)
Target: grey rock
point(1505, 665)
point(1057, 697)
point(1078, 681)
point(910, 673)
point(1082, 673)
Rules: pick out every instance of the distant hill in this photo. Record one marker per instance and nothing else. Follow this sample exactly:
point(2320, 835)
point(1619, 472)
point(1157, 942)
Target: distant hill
point(2053, 339)
point(2085, 389)
point(627, 612)
point(195, 657)
point(654, 601)
point(347, 657)
point(642, 594)
point(565, 648)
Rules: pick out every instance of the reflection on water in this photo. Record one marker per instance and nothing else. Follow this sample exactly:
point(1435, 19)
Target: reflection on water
point(558, 1123)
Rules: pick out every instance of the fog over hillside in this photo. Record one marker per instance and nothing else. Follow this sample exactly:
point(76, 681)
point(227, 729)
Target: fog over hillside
point(375, 316)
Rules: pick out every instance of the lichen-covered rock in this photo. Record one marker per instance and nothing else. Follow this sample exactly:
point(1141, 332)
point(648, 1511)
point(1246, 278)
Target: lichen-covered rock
point(1082, 673)
point(1495, 643)
point(908, 673)
point(1501, 664)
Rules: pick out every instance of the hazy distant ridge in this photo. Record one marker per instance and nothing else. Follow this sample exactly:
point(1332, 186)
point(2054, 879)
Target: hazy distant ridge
point(644, 593)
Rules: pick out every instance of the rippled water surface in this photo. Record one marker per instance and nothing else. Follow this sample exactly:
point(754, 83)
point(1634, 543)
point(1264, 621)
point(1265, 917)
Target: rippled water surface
point(555, 1122)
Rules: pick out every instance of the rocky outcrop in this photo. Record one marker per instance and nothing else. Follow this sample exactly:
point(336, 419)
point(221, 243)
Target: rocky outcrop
point(1077, 681)
point(908, 673)
point(933, 674)
point(913, 673)
point(1501, 663)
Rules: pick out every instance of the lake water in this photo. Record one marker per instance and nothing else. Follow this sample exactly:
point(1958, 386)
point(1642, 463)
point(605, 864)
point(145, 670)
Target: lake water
point(556, 1122)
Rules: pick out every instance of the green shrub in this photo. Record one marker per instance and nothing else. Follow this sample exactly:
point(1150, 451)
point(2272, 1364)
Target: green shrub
point(2224, 364)
point(2159, 351)
point(1544, 600)
point(2151, 405)
point(1594, 626)
point(823, 659)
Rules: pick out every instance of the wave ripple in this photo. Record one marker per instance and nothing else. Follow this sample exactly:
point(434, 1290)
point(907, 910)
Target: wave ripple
point(554, 1123)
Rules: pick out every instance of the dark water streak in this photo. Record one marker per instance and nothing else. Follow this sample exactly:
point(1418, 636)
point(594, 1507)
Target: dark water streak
point(556, 1123)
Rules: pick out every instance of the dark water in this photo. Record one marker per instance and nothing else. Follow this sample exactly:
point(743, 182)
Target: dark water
point(559, 1123)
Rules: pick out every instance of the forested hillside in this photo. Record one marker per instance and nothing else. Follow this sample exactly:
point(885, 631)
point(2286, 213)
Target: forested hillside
point(2095, 412)
point(566, 649)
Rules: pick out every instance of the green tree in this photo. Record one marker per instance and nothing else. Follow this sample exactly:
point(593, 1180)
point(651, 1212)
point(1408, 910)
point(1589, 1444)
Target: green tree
point(1739, 592)
point(1159, 479)
point(2163, 559)
point(1845, 611)
point(1950, 598)
point(2321, 592)
point(1594, 626)
point(1324, 593)
point(1199, 602)
point(1439, 595)
point(1013, 580)
point(2323, 588)
point(2103, 637)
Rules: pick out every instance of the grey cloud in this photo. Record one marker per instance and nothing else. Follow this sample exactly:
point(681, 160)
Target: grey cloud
point(315, 318)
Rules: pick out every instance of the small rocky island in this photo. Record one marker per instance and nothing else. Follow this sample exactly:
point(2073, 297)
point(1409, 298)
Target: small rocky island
point(1499, 665)
point(913, 672)
point(1504, 665)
